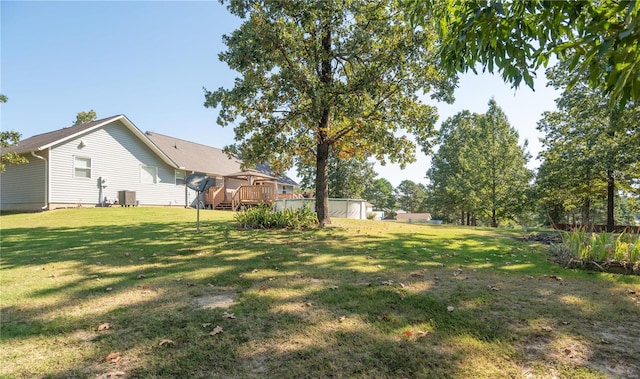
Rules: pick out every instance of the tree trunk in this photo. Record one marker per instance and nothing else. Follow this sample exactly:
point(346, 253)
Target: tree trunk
point(611, 192)
point(322, 141)
point(494, 219)
point(468, 218)
point(586, 211)
point(462, 217)
point(322, 184)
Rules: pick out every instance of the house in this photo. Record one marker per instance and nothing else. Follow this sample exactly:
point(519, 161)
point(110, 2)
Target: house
point(96, 163)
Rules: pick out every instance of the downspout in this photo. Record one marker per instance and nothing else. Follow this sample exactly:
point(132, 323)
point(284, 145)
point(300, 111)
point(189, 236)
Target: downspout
point(46, 181)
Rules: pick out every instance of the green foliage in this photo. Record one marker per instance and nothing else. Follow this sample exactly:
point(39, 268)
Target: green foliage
point(348, 177)
point(84, 117)
point(517, 37)
point(264, 217)
point(585, 142)
point(602, 247)
point(411, 196)
point(322, 76)
point(479, 168)
point(8, 138)
point(380, 195)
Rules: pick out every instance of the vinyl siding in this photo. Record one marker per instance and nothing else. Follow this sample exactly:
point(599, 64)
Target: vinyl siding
point(23, 187)
point(117, 154)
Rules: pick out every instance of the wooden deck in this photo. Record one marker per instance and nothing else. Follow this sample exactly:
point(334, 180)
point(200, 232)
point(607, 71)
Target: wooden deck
point(243, 196)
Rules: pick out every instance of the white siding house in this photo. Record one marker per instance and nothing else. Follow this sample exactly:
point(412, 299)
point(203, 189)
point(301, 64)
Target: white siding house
point(85, 164)
point(65, 167)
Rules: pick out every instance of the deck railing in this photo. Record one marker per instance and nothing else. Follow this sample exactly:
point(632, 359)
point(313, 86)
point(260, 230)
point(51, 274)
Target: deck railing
point(214, 196)
point(253, 195)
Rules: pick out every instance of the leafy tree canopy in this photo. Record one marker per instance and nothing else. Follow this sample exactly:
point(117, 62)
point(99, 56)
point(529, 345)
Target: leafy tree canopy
point(517, 37)
point(322, 76)
point(8, 138)
point(380, 195)
point(348, 177)
point(84, 117)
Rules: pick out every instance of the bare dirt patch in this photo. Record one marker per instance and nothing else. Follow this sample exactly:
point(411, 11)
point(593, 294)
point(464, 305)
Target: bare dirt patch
point(215, 301)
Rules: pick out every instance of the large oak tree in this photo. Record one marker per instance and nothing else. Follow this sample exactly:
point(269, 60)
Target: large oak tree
point(322, 76)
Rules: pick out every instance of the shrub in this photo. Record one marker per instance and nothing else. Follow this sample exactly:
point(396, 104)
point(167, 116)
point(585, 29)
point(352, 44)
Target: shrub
point(264, 217)
point(602, 247)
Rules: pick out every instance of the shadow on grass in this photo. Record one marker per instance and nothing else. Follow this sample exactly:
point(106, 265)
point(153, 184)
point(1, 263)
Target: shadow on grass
point(317, 303)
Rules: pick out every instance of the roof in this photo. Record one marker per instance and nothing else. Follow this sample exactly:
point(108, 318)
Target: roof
point(44, 141)
point(283, 179)
point(193, 156)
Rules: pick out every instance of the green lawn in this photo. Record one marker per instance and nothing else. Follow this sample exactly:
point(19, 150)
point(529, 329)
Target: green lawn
point(361, 299)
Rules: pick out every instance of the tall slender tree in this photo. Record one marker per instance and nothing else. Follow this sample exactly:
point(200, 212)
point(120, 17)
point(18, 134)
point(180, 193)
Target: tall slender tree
point(480, 168)
point(323, 76)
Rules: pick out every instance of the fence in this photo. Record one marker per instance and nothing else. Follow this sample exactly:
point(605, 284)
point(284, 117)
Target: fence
point(340, 208)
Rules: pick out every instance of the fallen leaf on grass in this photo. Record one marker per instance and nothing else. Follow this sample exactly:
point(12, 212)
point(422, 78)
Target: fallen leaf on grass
point(109, 289)
point(408, 333)
point(334, 287)
point(450, 308)
point(387, 282)
point(112, 357)
point(206, 324)
point(547, 328)
point(631, 292)
point(384, 317)
point(104, 326)
point(216, 330)
point(342, 318)
point(226, 315)
point(166, 342)
point(141, 276)
point(423, 334)
point(554, 277)
point(493, 288)
point(417, 275)
point(264, 288)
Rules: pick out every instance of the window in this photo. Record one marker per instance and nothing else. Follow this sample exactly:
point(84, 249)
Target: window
point(81, 167)
point(148, 174)
point(180, 178)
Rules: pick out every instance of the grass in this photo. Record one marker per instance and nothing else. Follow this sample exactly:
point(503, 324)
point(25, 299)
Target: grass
point(361, 299)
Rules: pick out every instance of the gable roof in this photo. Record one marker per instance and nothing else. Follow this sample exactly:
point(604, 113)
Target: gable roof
point(44, 141)
point(193, 156)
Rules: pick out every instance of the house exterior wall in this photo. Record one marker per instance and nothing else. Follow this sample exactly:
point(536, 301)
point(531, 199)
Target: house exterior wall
point(117, 154)
point(23, 187)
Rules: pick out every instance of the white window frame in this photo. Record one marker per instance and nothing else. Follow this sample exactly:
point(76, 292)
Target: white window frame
point(145, 171)
point(181, 176)
point(88, 168)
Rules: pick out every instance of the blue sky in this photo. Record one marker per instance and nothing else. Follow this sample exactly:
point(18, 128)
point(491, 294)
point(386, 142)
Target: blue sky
point(150, 61)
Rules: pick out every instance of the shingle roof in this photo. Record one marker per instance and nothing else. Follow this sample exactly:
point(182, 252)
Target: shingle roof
point(193, 156)
point(44, 140)
point(264, 167)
